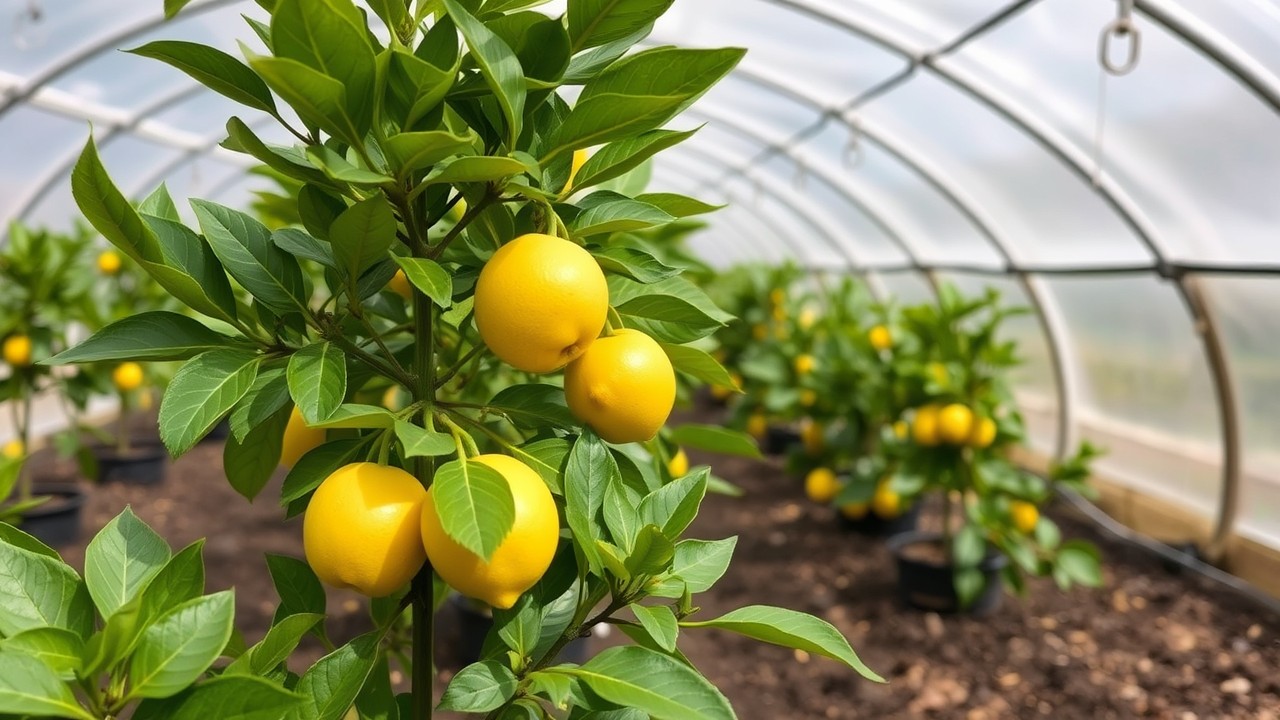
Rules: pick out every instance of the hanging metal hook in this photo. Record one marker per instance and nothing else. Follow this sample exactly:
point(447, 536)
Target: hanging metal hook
point(853, 153)
point(1120, 30)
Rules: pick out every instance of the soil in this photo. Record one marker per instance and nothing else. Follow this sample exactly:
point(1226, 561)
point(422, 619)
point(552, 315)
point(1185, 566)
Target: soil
point(1150, 644)
point(929, 553)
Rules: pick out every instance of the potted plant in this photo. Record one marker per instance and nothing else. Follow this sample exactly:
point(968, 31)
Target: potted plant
point(527, 499)
point(42, 280)
point(957, 449)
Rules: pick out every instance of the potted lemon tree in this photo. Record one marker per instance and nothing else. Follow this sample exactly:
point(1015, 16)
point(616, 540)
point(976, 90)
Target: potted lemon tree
point(958, 450)
point(523, 499)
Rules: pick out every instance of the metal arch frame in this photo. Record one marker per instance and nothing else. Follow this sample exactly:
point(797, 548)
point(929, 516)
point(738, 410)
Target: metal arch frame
point(190, 156)
point(63, 166)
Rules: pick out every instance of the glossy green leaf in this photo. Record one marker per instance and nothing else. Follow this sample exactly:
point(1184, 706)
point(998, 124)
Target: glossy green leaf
point(618, 158)
point(176, 650)
point(330, 37)
point(417, 441)
point(121, 559)
point(589, 471)
point(479, 687)
point(155, 335)
point(268, 394)
point(598, 22)
point(57, 648)
point(39, 591)
point(250, 462)
point(678, 205)
point(431, 280)
point(624, 215)
point(231, 697)
point(244, 247)
point(201, 393)
point(701, 563)
point(299, 589)
point(332, 684)
point(674, 505)
point(413, 151)
point(474, 504)
point(698, 364)
point(317, 378)
point(665, 688)
point(10, 535)
point(214, 69)
point(29, 687)
point(716, 439)
point(660, 623)
point(317, 98)
point(635, 264)
point(498, 64)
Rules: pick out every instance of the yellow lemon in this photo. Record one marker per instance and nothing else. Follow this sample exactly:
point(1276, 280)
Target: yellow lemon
point(361, 531)
point(299, 439)
point(579, 159)
point(777, 296)
point(678, 465)
point(804, 364)
point(900, 430)
point(812, 437)
point(760, 332)
point(821, 485)
point(808, 398)
point(854, 511)
point(757, 425)
point(540, 302)
point(400, 285)
point(623, 386)
point(955, 424)
point(525, 553)
point(886, 503)
point(880, 338)
point(808, 317)
point(109, 262)
point(14, 449)
point(391, 399)
point(458, 210)
point(1025, 516)
point(17, 350)
point(127, 377)
point(924, 427)
point(984, 433)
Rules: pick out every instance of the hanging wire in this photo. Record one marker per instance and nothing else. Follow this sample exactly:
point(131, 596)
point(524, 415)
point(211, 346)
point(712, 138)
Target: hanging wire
point(29, 31)
point(853, 149)
point(1120, 30)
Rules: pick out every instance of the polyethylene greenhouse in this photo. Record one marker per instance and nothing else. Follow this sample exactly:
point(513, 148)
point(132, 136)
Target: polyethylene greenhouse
point(1109, 165)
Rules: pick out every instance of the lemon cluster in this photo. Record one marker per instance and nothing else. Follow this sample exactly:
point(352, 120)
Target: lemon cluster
point(541, 304)
point(953, 424)
point(822, 486)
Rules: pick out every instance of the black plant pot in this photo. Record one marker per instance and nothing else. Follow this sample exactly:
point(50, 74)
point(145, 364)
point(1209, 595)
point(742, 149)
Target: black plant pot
point(474, 625)
point(876, 526)
point(927, 583)
point(220, 432)
point(779, 440)
point(144, 464)
point(55, 522)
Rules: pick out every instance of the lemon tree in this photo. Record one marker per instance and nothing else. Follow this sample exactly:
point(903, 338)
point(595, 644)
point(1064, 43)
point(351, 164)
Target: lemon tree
point(956, 442)
point(496, 426)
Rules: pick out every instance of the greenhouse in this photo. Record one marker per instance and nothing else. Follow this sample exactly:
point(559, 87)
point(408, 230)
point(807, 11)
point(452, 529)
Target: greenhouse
point(626, 359)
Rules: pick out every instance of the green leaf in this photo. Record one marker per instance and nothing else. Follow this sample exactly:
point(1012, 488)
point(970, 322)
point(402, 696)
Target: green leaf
point(268, 394)
point(11, 535)
point(624, 215)
point(660, 623)
point(619, 158)
point(230, 697)
point(29, 687)
point(214, 69)
point(331, 37)
point(190, 271)
point(173, 7)
point(479, 687)
point(301, 245)
point(319, 100)
point(674, 505)
point(430, 279)
point(678, 205)
point(59, 649)
point(652, 554)
point(318, 381)
point(635, 264)
point(700, 564)
point(589, 471)
point(244, 247)
point(598, 22)
point(474, 168)
point(315, 466)
point(180, 580)
point(417, 441)
point(415, 87)
point(548, 458)
point(620, 515)
point(201, 392)
point(107, 209)
point(355, 416)
point(534, 406)
point(683, 320)
point(299, 589)
point(1080, 562)
point(792, 629)
point(40, 591)
point(520, 626)
point(475, 506)
point(377, 699)
point(120, 561)
point(280, 642)
point(287, 161)
point(969, 546)
point(332, 684)
point(176, 650)
point(665, 688)
point(699, 364)
point(713, 438)
point(115, 642)
point(409, 152)
point(498, 64)
point(362, 235)
point(155, 335)
point(585, 66)
point(640, 93)
point(250, 462)
point(969, 582)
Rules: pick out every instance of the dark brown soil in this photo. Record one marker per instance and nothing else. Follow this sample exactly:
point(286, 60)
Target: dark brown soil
point(1148, 645)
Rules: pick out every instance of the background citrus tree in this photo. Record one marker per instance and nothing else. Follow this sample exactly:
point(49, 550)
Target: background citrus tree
point(549, 499)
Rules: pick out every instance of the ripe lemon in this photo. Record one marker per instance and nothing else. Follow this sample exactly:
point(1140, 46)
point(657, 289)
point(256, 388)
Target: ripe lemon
point(808, 317)
point(623, 386)
point(880, 338)
point(808, 398)
point(1025, 516)
point(757, 425)
point(854, 511)
point(804, 364)
point(458, 210)
point(299, 439)
point(678, 465)
point(127, 377)
point(924, 428)
point(540, 302)
point(14, 449)
point(579, 159)
point(760, 332)
point(521, 559)
point(821, 485)
point(360, 530)
point(109, 262)
point(812, 437)
point(17, 350)
point(900, 429)
point(886, 503)
point(400, 285)
point(955, 424)
point(984, 433)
